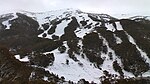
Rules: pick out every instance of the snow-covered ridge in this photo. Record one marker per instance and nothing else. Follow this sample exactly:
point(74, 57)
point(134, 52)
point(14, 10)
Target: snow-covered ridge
point(51, 16)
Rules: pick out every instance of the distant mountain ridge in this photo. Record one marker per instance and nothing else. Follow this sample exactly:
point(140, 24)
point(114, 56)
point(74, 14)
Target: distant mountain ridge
point(58, 46)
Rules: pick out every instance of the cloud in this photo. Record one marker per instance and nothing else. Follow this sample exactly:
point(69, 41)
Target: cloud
point(21, 4)
point(98, 6)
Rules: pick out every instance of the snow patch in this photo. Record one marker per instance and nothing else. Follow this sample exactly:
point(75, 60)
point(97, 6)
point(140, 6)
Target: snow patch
point(119, 26)
point(6, 23)
point(110, 27)
point(25, 59)
point(45, 78)
point(118, 40)
point(146, 74)
point(60, 27)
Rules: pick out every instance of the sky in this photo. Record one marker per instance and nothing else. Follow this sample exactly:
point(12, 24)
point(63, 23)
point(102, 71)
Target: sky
point(95, 6)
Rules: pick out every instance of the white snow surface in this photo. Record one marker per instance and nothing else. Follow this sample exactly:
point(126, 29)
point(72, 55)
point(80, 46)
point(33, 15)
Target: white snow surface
point(118, 40)
point(82, 31)
point(45, 17)
point(119, 26)
point(45, 78)
point(60, 28)
point(146, 74)
point(25, 59)
point(7, 24)
point(59, 31)
point(74, 71)
point(110, 27)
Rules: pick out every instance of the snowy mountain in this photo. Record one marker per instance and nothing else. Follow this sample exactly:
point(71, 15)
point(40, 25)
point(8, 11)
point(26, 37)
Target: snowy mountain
point(70, 45)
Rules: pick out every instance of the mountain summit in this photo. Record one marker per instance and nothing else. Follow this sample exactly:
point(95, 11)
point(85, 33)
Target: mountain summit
point(71, 46)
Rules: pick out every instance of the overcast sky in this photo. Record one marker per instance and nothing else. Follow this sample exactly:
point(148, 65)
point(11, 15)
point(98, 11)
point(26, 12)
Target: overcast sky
point(97, 6)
